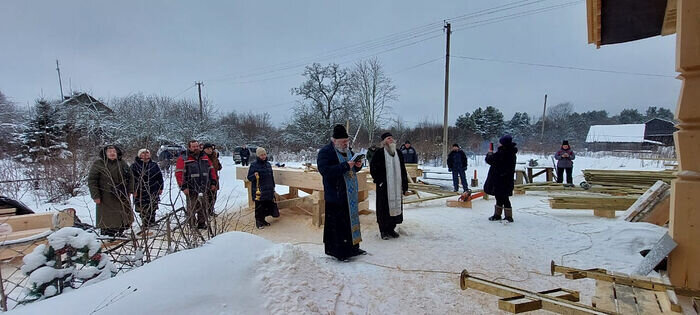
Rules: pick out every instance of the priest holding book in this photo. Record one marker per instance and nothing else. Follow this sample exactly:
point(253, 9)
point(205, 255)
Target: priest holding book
point(389, 174)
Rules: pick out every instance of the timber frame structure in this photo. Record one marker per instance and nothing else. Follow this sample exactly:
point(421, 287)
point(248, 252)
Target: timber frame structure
point(609, 23)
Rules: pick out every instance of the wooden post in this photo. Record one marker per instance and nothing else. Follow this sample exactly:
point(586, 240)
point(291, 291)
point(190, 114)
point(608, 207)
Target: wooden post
point(293, 192)
point(684, 261)
point(249, 188)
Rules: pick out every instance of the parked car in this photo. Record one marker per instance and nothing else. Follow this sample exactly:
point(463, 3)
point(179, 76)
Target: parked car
point(168, 154)
point(251, 148)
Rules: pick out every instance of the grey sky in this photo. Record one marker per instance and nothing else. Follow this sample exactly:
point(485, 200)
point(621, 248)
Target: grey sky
point(114, 48)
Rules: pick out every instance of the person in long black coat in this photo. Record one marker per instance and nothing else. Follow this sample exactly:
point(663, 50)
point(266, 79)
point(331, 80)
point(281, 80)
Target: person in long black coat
point(500, 182)
point(337, 233)
point(387, 222)
point(266, 205)
point(245, 155)
point(148, 185)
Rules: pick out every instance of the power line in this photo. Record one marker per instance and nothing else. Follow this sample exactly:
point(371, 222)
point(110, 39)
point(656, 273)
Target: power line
point(418, 65)
point(516, 15)
point(185, 90)
point(565, 67)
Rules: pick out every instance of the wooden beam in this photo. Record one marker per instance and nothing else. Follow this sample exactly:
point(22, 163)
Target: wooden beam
point(560, 301)
point(684, 261)
point(42, 220)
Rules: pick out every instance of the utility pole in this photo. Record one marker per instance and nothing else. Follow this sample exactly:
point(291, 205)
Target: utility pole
point(201, 111)
point(58, 69)
point(448, 29)
point(544, 113)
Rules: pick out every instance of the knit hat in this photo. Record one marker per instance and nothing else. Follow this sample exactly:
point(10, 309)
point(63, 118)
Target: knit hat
point(407, 142)
point(339, 132)
point(208, 145)
point(142, 151)
point(455, 145)
point(386, 134)
point(506, 140)
point(260, 151)
point(565, 142)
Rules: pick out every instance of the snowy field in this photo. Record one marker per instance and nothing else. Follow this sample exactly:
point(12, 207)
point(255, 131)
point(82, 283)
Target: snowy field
point(283, 270)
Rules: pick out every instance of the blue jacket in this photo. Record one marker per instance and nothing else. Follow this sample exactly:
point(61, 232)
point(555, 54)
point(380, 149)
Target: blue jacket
point(148, 180)
point(332, 172)
point(267, 179)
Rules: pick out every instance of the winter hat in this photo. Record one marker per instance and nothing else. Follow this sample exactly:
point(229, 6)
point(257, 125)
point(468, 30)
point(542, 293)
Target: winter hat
point(142, 151)
point(260, 151)
point(506, 140)
point(339, 132)
point(455, 145)
point(407, 142)
point(565, 142)
point(208, 145)
point(386, 134)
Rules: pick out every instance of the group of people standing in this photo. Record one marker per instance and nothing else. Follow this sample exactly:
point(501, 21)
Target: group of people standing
point(113, 182)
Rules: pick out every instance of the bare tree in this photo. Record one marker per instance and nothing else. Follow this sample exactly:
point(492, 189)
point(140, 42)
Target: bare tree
point(371, 89)
point(324, 87)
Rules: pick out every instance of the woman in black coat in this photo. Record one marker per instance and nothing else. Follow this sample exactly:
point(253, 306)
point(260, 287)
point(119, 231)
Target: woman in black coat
point(499, 182)
point(266, 205)
point(148, 185)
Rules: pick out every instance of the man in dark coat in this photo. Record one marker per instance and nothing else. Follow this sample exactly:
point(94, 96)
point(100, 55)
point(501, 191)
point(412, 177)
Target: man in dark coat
point(341, 230)
point(213, 156)
point(389, 174)
point(500, 182)
point(148, 181)
point(565, 162)
point(111, 184)
point(245, 155)
point(261, 171)
point(409, 153)
point(457, 164)
point(196, 176)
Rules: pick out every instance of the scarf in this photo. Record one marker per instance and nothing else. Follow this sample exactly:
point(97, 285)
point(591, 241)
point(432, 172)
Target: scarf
point(393, 183)
point(351, 189)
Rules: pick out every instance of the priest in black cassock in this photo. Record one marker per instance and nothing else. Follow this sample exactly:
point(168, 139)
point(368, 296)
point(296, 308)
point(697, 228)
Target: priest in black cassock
point(389, 174)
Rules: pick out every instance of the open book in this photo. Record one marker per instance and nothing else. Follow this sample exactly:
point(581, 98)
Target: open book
point(359, 155)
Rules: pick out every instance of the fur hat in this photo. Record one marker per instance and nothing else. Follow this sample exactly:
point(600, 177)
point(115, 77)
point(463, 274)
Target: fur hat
point(142, 151)
point(260, 151)
point(339, 132)
point(565, 142)
point(506, 140)
point(386, 134)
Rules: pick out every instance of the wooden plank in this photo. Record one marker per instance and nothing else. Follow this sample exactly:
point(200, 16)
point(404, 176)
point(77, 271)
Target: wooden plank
point(29, 221)
point(670, 15)
point(604, 213)
point(459, 204)
point(648, 199)
point(604, 298)
point(659, 215)
point(8, 211)
point(625, 299)
point(646, 301)
point(22, 234)
point(15, 251)
point(519, 304)
point(291, 203)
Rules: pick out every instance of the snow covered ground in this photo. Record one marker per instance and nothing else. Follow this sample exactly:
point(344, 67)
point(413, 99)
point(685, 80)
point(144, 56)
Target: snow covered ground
point(283, 269)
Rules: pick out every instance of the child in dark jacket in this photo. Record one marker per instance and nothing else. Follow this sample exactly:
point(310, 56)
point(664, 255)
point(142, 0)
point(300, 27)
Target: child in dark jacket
point(260, 172)
point(500, 182)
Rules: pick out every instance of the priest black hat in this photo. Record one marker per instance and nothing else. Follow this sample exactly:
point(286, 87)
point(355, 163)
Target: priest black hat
point(339, 132)
point(386, 134)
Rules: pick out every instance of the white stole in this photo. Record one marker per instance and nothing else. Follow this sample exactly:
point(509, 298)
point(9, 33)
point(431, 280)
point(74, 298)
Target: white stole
point(393, 182)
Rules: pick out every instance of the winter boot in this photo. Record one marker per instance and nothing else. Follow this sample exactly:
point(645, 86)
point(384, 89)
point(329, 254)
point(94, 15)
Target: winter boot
point(265, 223)
point(496, 214)
point(393, 234)
point(509, 214)
point(259, 224)
point(385, 236)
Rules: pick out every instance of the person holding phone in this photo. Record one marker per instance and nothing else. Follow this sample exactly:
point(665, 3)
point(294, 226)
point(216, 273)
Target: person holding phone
point(500, 182)
point(565, 162)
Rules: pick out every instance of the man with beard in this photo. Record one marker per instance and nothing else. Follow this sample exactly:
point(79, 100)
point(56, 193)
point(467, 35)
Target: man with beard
point(196, 176)
point(389, 174)
point(341, 230)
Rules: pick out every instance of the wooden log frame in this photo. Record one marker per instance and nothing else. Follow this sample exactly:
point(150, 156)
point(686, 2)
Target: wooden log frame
point(556, 187)
point(309, 182)
point(602, 206)
point(623, 279)
point(516, 300)
point(548, 170)
point(641, 178)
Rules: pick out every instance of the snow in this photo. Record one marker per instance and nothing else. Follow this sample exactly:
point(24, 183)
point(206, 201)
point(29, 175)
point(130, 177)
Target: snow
point(284, 270)
point(616, 133)
point(34, 260)
point(76, 238)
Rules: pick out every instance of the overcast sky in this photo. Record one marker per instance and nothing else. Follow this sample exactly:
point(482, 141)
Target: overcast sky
point(249, 54)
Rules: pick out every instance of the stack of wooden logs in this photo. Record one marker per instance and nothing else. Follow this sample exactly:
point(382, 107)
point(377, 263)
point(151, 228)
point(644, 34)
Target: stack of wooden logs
point(627, 178)
point(555, 187)
point(603, 206)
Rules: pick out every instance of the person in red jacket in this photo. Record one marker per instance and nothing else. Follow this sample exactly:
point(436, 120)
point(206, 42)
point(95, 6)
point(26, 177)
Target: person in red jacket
point(196, 176)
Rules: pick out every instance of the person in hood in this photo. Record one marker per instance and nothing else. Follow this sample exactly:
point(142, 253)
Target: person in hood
point(196, 176)
point(565, 162)
point(341, 229)
point(111, 184)
point(264, 204)
point(148, 181)
point(389, 175)
point(500, 182)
